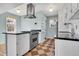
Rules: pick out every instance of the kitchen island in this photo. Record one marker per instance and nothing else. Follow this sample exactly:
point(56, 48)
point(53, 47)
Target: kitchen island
point(18, 44)
point(66, 46)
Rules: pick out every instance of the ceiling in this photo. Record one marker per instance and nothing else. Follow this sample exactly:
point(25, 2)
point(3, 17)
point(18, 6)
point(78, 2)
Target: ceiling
point(39, 7)
point(4, 7)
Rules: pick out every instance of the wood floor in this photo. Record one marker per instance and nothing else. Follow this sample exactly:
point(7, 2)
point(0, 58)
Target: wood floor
point(2, 50)
point(47, 48)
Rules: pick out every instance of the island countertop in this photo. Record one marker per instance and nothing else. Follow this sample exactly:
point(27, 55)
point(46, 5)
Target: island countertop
point(22, 32)
point(70, 39)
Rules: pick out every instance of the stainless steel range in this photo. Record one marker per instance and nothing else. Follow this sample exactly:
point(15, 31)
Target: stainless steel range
point(33, 39)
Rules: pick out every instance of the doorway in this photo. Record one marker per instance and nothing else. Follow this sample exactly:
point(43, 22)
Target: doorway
point(52, 27)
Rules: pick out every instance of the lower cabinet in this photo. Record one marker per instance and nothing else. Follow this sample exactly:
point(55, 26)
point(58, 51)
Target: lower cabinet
point(66, 47)
point(23, 44)
point(17, 45)
point(11, 45)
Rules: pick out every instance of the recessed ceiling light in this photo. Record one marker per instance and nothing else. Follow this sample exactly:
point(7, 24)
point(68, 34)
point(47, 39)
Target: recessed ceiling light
point(50, 10)
point(18, 11)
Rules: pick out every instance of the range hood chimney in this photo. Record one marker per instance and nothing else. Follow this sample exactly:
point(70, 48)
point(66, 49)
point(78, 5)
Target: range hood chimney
point(30, 11)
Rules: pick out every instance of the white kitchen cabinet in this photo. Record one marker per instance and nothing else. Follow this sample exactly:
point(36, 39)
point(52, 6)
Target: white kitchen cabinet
point(39, 38)
point(23, 44)
point(66, 47)
point(11, 45)
point(18, 45)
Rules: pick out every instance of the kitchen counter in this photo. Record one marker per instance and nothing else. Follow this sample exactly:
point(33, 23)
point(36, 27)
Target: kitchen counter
point(70, 39)
point(18, 43)
point(22, 32)
point(64, 32)
point(66, 47)
point(17, 33)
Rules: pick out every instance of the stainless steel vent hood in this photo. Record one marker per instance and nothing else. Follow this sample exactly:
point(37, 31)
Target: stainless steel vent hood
point(30, 11)
point(75, 15)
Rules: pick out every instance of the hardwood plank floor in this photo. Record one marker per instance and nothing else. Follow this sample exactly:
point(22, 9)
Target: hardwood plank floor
point(2, 50)
point(47, 48)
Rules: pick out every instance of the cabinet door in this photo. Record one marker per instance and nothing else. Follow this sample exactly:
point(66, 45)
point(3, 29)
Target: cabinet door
point(74, 6)
point(66, 48)
point(11, 45)
point(23, 44)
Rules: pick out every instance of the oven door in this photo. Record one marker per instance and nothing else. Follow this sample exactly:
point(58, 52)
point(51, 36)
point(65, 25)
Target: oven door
point(33, 40)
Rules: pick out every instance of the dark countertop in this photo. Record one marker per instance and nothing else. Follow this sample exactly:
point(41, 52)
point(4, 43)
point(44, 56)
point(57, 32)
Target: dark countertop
point(64, 32)
point(22, 32)
point(17, 33)
point(35, 30)
point(70, 39)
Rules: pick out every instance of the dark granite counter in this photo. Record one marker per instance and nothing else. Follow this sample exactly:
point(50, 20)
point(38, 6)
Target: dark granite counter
point(70, 39)
point(22, 32)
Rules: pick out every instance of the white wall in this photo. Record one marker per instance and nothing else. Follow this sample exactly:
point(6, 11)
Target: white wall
point(3, 25)
point(29, 24)
point(75, 22)
point(26, 24)
point(62, 19)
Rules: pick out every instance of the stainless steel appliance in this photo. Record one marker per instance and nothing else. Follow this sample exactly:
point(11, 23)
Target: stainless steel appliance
point(30, 11)
point(33, 39)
